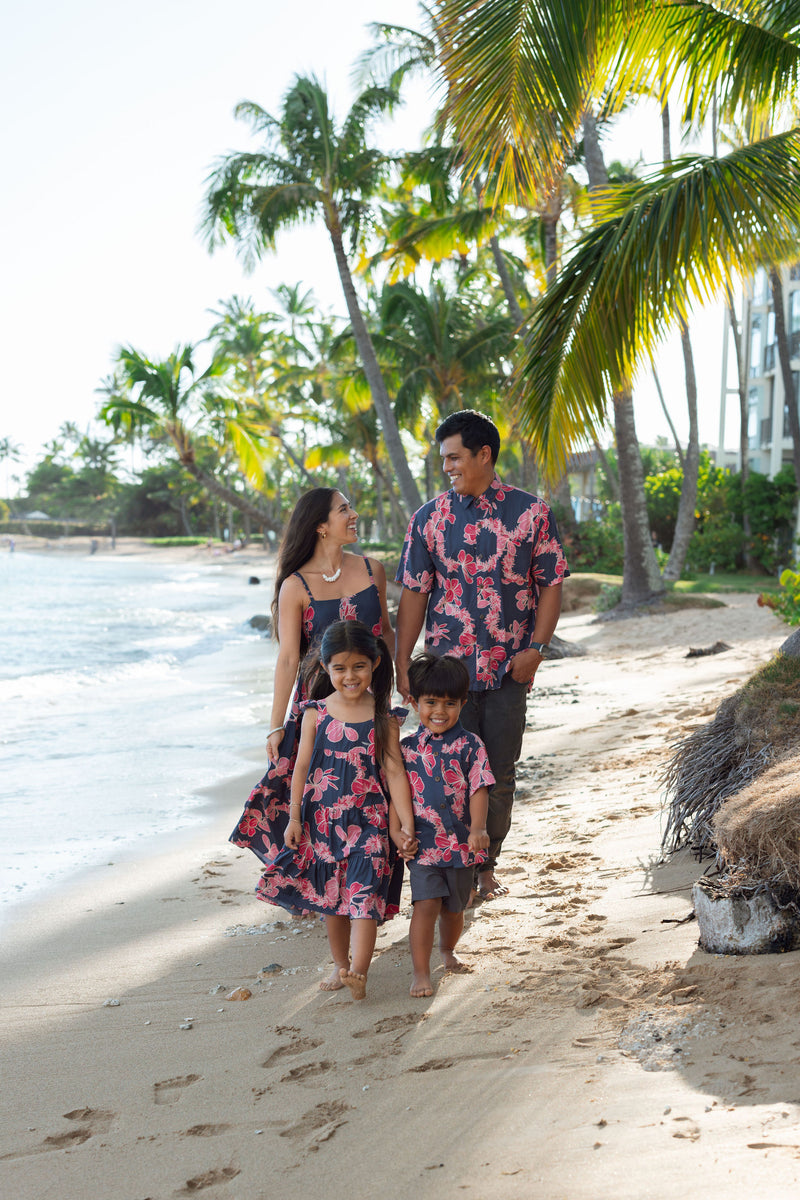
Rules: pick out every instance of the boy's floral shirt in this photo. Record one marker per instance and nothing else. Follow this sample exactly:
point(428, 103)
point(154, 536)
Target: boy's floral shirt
point(483, 560)
point(444, 770)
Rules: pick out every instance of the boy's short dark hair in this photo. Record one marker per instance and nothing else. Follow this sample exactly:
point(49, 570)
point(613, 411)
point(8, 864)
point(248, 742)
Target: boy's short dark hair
point(476, 430)
point(438, 675)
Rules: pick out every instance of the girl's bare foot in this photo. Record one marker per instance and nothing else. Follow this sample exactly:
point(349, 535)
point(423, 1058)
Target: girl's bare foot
point(451, 963)
point(333, 983)
point(421, 985)
point(356, 983)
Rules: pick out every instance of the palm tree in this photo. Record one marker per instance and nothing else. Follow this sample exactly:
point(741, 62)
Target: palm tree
point(307, 169)
point(658, 245)
point(162, 399)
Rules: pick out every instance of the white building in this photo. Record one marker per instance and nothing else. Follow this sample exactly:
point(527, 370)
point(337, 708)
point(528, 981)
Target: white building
point(769, 440)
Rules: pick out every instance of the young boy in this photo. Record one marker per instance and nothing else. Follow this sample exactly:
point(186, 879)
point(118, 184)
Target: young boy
point(449, 774)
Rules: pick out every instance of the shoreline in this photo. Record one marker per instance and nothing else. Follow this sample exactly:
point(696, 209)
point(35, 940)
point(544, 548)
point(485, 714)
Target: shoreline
point(592, 1050)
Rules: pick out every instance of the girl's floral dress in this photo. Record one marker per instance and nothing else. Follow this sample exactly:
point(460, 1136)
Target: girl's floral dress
point(263, 822)
point(345, 864)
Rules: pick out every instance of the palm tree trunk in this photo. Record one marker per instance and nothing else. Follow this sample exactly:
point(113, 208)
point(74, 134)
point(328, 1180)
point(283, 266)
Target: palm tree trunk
point(258, 515)
point(785, 359)
point(366, 350)
point(686, 520)
point(666, 412)
point(641, 579)
point(504, 276)
point(744, 444)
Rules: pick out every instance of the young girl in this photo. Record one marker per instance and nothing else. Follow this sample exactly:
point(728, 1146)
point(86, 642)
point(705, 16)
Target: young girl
point(336, 858)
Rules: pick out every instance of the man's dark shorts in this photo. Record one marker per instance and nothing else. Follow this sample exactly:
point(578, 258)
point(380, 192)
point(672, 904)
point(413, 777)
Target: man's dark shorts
point(452, 885)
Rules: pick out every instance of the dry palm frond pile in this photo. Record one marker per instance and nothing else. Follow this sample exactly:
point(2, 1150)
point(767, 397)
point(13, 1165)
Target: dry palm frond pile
point(757, 832)
point(758, 726)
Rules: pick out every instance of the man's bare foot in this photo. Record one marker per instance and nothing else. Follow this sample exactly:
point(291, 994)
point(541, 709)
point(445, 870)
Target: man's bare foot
point(421, 985)
point(489, 886)
point(333, 983)
point(451, 963)
point(356, 983)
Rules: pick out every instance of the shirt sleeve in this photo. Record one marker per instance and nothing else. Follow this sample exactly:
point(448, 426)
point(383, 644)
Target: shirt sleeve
point(416, 570)
point(479, 772)
point(548, 562)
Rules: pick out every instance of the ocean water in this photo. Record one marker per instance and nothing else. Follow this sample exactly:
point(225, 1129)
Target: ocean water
point(120, 702)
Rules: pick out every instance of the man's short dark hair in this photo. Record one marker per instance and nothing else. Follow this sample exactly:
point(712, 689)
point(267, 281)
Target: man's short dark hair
point(439, 675)
point(476, 430)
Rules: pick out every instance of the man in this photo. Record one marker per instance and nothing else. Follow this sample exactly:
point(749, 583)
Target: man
point(484, 562)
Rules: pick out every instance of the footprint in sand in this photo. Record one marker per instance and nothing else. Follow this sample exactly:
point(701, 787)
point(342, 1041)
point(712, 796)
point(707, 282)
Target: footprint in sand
point(169, 1091)
point(321, 1122)
point(205, 1130)
point(93, 1121)
point(308, 1071)
point(296, 1046)
point(389, 1024)
point(209, 1179)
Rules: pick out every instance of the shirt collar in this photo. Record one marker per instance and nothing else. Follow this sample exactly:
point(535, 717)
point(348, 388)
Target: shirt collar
point(485, 499)
point(427, 735)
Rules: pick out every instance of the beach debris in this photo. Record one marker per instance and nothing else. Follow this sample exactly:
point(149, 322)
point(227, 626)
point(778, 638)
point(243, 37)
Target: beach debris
point(185, 1025)
point(215, 991)
point(254, 579)
point(745, 919)
point(716, 648)
point(239, 993)
point(111, 1003)
point(271, 969)
point(262, 622)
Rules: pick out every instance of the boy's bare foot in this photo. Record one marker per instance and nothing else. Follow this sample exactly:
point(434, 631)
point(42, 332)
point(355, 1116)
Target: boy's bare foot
point(451, 963)
point(333, 983)
point(421, 985)
point(356, 983)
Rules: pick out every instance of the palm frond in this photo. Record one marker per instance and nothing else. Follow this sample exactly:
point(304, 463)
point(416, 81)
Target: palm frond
point(660, 246)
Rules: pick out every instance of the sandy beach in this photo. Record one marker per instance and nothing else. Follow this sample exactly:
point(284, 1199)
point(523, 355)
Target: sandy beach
point(592, 1051)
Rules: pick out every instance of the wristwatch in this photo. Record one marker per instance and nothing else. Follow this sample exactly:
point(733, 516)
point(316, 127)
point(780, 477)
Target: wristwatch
point(540, 646)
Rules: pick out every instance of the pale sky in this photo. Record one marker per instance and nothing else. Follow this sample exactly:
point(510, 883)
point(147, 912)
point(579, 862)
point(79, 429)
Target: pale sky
point(113, 117)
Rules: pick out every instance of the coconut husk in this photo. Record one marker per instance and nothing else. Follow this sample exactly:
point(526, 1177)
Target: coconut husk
point(752, 729)
point(757, 831)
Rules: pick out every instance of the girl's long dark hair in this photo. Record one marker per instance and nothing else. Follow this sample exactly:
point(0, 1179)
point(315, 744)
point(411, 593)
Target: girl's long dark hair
point(300, 541)
point(344, 637)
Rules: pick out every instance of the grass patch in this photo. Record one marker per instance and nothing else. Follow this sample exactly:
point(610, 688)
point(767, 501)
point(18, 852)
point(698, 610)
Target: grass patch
point(177, 541)
point(727, 583)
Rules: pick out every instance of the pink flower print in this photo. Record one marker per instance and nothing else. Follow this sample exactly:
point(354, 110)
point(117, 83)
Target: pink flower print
point(436, 633)
point(428, 858)
point(377, 628)
point(486, 592)
point(322, 820)
point(418, 583)
point(467, 641)
point(323, 853)
point(516, 630)
point(347, 610)
point(248, 824)
point(427, 757)
point(439, 520)
point(417, 787)
point(308, 621)
point(443, 842)
point(453, 590)
point(468, 564)
point(304, 854)
point(319, 782)
point(349, 894)
point(488, 662)
point(470, 534)
point(523, 599)
point(350, 838)
point(374, 844)
point(337, 730)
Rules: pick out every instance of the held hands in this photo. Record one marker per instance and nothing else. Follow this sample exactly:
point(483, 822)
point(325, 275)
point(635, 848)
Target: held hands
point(274, 740)
point(405, 841)
point(478, 840)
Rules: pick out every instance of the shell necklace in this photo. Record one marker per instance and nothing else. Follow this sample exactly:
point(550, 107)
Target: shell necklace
point(332, 578)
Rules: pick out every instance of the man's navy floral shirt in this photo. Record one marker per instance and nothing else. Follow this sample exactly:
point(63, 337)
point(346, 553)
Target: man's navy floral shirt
point(483, 560)
point(444, 770)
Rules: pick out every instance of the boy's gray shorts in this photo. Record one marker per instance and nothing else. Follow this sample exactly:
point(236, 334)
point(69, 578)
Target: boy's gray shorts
point(452, 885)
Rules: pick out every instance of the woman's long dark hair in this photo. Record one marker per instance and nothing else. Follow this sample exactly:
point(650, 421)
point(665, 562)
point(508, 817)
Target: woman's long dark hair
point(344, 637)
point(300, 541)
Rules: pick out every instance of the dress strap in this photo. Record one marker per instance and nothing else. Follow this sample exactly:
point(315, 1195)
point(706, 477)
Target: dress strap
point(369, 568)
point(305, 585)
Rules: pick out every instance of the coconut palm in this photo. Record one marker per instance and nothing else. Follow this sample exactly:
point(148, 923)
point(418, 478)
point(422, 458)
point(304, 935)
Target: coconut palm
point(658, 245)
point(310, 168)
point(168, 399)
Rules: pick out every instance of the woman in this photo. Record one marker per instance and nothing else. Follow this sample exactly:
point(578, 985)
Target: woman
point(316, 584)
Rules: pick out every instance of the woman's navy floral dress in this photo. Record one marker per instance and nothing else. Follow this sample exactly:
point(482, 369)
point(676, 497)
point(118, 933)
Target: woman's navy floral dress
point(266, 814)
point(345, 864)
